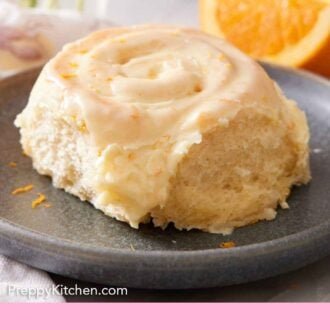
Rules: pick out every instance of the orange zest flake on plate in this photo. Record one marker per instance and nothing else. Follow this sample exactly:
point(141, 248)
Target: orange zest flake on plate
point(21, 190)
point(38, 201)
point(227, 245)
point(12, 164)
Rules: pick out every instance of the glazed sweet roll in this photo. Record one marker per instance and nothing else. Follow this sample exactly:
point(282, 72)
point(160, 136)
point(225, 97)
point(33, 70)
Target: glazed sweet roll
point(168, 125)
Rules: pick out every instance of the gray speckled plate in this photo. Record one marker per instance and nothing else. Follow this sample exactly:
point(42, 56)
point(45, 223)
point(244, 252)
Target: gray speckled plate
point(73, 239)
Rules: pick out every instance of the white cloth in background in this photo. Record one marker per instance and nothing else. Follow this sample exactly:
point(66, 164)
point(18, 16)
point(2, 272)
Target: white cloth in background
point(21, 283)
point(58, 27)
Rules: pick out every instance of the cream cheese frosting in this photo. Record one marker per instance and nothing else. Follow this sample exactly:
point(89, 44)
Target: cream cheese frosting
point(146, 94)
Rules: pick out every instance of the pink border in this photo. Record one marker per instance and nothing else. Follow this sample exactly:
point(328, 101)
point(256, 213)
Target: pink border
point(161, 316)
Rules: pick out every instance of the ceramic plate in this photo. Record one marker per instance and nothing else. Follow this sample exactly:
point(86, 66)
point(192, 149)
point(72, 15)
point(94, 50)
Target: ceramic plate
point(72, 238)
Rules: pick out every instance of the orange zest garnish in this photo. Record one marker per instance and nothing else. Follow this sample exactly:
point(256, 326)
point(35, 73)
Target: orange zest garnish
point(21, 190)
point(38, 201)
point(12, 164)
point(152, 74)
point(221, 57)
point(227, 245)
point(73, 65)
point(82, 128)
point(68, 75)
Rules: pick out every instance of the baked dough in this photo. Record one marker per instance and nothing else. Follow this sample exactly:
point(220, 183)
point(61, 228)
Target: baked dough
point(166, 124)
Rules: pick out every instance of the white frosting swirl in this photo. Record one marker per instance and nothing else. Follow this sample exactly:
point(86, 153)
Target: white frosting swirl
point(146, 94)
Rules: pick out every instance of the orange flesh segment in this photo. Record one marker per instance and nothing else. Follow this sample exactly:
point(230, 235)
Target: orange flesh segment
point(266, 27)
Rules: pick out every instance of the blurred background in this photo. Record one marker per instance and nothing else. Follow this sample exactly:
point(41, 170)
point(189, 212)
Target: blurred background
point(293, 33)
point(33, 31)
point(127, 12)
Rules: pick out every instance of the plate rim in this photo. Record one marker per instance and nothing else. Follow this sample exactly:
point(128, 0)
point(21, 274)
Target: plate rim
point(303, 238)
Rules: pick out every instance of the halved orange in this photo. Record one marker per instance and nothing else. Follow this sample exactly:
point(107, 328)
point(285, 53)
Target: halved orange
point(287, 32)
